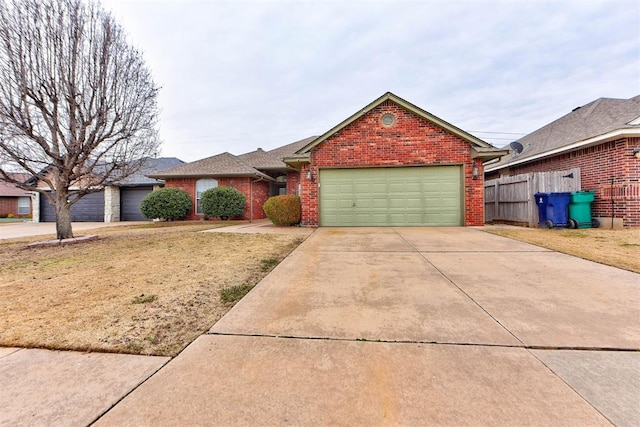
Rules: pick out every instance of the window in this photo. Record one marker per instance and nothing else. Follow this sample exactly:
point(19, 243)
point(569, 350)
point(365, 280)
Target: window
point(203, 185)
point(24, 205)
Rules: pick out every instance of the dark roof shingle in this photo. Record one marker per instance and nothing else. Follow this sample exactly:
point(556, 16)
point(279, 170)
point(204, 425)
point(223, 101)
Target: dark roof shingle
point(594, 119)
point(224, 164)
point(272, 159)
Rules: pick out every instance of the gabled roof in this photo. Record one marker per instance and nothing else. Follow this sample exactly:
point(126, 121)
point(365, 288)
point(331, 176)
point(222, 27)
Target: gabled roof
point(488, 152)
point(599, 121)
point(221, 165)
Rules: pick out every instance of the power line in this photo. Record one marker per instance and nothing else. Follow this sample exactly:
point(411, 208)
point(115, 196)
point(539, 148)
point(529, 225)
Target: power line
point(499, 133)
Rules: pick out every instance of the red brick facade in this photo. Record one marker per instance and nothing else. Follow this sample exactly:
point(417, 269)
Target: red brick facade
point(608, 168)
point(410, 141)
point(9, 205)
point(293, 183)
point(259, 190)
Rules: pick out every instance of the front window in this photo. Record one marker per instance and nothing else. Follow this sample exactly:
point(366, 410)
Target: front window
point(203, 185)
point(24, 205)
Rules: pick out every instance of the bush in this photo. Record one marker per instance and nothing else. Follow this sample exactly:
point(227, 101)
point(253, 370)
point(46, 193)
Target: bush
point(166, 203)
point(223, 202)
point(283, 210)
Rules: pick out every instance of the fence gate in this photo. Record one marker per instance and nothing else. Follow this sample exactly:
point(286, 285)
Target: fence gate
point(510, 198)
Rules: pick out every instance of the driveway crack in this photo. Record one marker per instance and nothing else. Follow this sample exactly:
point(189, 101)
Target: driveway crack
point(415, 249)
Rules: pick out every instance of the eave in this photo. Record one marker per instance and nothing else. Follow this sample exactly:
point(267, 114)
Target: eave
point(404, 104)
point(487, 154)
point(216, 175)
point(609, 136)
point(297, 161)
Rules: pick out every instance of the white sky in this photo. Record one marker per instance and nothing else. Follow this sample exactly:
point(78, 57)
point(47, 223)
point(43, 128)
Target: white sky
point(238, 75)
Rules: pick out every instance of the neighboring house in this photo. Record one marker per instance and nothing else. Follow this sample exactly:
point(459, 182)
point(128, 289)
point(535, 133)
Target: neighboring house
point(601, 138)
point(113, 203)
point(391, 163)
point(13, 200)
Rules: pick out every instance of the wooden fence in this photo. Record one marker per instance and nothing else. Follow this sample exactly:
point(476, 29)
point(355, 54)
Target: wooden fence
point(510, 199)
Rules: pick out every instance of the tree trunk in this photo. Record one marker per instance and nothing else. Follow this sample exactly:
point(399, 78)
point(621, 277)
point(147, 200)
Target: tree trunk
point(63, 217)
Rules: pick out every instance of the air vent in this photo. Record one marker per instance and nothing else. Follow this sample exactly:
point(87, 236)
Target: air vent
point(388, 119)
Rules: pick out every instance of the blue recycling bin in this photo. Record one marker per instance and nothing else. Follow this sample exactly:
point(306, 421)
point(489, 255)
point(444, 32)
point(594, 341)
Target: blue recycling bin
point(553, 209)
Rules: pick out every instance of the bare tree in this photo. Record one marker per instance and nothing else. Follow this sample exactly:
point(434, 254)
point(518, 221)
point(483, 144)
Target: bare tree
point(78, 106)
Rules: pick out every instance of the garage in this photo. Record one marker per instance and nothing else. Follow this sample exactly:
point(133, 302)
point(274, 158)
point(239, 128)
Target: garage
point(394, 196)
point(130, 198)
point(88, 209)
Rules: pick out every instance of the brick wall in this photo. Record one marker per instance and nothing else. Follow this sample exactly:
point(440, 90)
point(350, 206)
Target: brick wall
point(260, 193)
point(411, 140)
point(9, 205)
point(608, 168)
point(293, 183)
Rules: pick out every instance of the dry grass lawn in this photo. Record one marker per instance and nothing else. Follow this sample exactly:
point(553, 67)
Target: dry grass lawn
point(618, 248)
point(145, 290)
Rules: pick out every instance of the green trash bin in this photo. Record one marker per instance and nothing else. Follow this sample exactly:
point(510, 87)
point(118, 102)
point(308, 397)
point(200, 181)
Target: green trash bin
point(580, 210)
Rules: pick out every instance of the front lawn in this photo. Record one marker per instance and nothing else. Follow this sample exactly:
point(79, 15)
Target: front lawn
point(618, 248)
point(145, 290)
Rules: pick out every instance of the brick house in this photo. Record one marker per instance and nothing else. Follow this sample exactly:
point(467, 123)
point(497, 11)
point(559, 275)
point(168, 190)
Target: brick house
point(601, 138)
point(13, 200)
point(391, 163)
point(258, 175)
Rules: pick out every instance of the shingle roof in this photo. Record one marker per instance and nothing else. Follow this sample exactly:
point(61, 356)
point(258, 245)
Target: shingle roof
point(592, 120)
point(224, 164)
point(150, 166)
point(272, 159)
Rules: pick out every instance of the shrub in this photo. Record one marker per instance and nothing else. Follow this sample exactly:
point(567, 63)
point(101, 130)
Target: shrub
point(283, 210)
point(166, 203)
point(223, 202)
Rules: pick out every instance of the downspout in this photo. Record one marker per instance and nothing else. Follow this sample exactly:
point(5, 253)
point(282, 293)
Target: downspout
point(251, 197)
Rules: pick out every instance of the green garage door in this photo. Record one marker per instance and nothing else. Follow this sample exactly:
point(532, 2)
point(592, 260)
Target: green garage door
point(412, 196)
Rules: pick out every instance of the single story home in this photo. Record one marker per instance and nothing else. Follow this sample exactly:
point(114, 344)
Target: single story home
point(258, 175)
point(112, 203)
point(13, 200)
point(389, 164)
point(602, 138)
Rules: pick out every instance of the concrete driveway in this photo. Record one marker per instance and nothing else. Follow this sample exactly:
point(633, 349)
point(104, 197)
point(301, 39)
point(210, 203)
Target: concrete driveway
point(411, 326)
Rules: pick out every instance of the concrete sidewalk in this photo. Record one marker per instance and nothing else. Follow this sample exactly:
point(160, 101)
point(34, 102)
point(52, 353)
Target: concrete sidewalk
point(411, 327)
point(13, 230)
point(44, 387)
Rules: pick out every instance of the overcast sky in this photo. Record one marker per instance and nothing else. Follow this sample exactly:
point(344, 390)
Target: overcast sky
point(239, 75)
